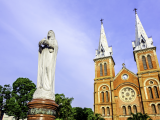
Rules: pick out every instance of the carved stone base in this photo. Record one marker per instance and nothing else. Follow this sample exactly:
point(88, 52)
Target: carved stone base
point(42, 109)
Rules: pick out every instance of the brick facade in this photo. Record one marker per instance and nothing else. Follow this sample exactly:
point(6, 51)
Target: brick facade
point(116, 96)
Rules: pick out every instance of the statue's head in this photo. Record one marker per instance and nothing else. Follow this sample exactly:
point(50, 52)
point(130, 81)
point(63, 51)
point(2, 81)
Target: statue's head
point(51, 34)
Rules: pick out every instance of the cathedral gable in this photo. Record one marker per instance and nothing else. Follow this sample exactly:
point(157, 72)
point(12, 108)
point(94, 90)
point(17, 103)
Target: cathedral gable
point(125, 77)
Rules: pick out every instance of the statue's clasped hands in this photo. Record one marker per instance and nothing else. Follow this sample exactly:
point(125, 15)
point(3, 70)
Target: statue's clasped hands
point(43, 42)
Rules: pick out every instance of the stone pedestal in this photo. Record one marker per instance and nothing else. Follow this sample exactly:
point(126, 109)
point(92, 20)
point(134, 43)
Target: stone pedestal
point(42, 109)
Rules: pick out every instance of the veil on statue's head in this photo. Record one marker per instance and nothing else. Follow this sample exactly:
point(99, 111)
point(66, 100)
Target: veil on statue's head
point(51, 35)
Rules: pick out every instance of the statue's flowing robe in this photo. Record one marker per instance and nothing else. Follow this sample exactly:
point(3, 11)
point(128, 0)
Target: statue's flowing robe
point(46, 67)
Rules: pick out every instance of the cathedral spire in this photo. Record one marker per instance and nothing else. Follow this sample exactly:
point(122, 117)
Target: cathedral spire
point(141, 40)
point(103, 49)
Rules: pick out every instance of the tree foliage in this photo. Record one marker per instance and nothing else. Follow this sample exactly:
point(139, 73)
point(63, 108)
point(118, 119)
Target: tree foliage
point(1, 97)
point(85, 114)
point(5, 95)
point(7, 89)
point(98, 117)
point(139, 116)
point(22, 93)
point(65, 110)
point(1, 100)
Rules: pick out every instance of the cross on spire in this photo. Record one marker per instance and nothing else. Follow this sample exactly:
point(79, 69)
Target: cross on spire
point(135, 10)
point(101, 21)
point(123, 65)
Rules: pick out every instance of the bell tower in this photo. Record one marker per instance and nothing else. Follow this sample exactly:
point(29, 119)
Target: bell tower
point(148, 69)
point(104, 74)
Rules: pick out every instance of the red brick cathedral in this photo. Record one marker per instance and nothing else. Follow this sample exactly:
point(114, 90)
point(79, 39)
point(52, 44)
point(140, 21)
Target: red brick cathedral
point(116, 96)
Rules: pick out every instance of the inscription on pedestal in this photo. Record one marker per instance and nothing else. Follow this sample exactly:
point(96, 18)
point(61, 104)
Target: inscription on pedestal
point(34, 111)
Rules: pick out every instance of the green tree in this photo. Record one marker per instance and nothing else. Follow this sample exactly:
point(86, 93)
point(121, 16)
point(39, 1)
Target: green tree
point(22, 93)
point(6, 92)
point(88, 113)
point(97, 117)
point(139, 116)
point(85, 114)
point(5, 95)
point(1, 100)
point(78, 113)
point(65, 110)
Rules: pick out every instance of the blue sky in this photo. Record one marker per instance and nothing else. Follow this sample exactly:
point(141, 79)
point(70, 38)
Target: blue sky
point(76, 24)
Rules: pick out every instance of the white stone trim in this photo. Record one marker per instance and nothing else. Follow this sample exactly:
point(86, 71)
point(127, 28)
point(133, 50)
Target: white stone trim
point(102, 63)
point(124, 105)
point(145, 55)
point(157, 103)
point(105, 107)
point(134, 104)
point(105, 90)
point(148, 54)
point(128, 105)
point(145, 90)
point(150, 79)
point(152, 103)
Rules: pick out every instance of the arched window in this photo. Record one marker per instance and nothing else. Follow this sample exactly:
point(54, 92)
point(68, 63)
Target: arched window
point(150, 92)
point(134, 109)
point(144, 62)
point(153, 108)
point(150, 61)
point(124, 110)
point(101, 71)
point(156, 92)
point(129, 110)
point(108, 111)
point(103, 111)
point(102, 96)
point(159, 108)
point(105, 68)
point(107, 97)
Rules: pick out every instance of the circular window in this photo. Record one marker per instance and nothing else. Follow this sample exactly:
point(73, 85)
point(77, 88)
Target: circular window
point(127, 94)
point(104, 87)
point(124, 76)
point(150, 82)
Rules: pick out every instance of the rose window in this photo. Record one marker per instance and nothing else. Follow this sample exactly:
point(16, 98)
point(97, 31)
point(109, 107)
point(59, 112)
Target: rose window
point(127, 94)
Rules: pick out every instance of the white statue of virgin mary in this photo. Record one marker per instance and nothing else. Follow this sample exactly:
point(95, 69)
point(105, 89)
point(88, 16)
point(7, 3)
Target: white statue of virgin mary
point(48, 49)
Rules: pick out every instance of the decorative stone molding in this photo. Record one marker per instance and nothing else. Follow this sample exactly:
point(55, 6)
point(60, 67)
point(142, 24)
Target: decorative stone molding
point(105, 106)
point(104, 85)
point(104, 58)
point(144, 55)
point(145, 50)
point(145, 87)
point(152, 103)
point(126, 105)
point(102, 78)
point(102, 63)
point(132, 84)
point(148, 71)
point(109, 91)
point(157, 103)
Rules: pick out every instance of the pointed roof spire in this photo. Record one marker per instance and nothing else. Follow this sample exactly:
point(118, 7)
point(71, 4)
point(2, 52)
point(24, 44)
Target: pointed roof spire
point(141, 41)
point(103, 49)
